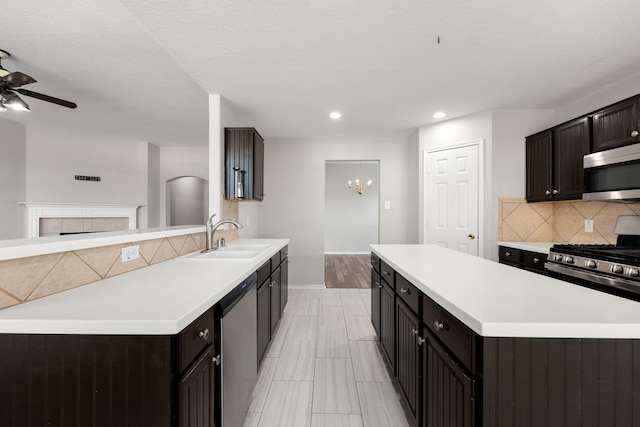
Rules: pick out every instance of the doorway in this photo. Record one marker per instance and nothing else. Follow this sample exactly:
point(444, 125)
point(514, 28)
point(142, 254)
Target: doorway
point(187, 200)
point(452, 197)
point(351, 221)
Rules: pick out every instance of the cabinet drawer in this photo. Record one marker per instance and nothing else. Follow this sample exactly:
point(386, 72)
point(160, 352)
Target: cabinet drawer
point(375, 262)
point(408, 293)
point(510, 255)
point(284, 253)
point(455, 335)
point(387, 274)
point(264, 272)
point(275, 261)
point(194, 338)
point(534, 260)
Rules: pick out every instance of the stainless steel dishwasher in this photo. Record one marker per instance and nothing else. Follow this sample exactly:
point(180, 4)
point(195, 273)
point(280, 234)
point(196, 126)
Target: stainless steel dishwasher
point(239, 351)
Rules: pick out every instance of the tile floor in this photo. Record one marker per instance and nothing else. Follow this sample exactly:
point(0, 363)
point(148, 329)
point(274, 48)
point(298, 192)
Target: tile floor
point(323, 367)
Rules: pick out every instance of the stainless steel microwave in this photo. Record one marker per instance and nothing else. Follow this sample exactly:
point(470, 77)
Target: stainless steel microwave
point(613, 174)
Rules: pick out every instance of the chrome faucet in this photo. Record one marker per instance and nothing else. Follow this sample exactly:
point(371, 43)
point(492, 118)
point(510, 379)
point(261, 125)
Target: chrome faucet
point(212, 229)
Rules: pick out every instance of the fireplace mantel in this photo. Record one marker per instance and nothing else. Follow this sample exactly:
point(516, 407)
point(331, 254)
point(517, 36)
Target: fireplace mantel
point(38, 210)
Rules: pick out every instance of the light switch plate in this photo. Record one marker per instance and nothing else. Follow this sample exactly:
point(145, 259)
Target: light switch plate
point(387, 204)
point(588, 226)
point(130, 253)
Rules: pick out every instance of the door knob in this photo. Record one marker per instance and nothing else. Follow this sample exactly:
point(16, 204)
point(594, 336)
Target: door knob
point(471, 236)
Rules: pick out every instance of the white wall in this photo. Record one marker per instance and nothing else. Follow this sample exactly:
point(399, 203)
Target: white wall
point(351, 220)
point(54, 156)
point(153, 186)
point(13, 157)
point(294, 195)
point(180, 161)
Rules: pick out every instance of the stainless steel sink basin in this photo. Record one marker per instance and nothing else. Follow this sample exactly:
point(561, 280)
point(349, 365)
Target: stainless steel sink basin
point(240, 252)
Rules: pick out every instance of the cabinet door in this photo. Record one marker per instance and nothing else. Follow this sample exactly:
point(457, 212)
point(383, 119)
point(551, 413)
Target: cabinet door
point(196, 393)
point(408, 357)
point(284, 283)
point(617, 125)
point(264, 319)
point(449, 391)
point(387, 324)
point(376, 289)
point(274, 288)
point(258, 167)
point(539, 171)
point(570, 144)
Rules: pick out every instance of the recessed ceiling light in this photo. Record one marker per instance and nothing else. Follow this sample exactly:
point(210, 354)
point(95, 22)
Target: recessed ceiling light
point(335, 115)
point(439, 115)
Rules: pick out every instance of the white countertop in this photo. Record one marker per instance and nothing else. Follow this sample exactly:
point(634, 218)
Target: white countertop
point(497, 300)
point(158, 300)
point(541, 247)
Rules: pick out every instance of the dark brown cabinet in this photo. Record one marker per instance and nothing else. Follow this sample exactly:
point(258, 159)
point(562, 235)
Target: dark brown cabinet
point(617, 125)
point(554, 161)
point(275, 288)
point(527, 260)
point(264, 318)
point(244, 164)
point(449, 393)
point(284, 278)
point(408, 358)
point(376, 290)
point(387, 324)
point(196, 392)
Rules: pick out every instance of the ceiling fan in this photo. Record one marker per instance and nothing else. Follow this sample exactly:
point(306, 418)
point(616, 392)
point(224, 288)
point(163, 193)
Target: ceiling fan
point(10, 87)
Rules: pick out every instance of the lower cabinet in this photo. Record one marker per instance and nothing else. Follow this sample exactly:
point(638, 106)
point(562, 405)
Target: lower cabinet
point(196, 392)
point(264, 329)
point(449, 392)
point(408, 358)
point(527, 260)
point(376, 290)
point(275, 290)
point(388, 324)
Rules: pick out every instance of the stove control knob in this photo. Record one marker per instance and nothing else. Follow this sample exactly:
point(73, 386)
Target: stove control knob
point(590, 263)
point(557, 257)
point(633, 272)
point(617, 269)
point(569, 260)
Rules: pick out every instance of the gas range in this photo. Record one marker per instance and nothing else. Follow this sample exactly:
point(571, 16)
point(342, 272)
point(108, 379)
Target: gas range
point(610, 268)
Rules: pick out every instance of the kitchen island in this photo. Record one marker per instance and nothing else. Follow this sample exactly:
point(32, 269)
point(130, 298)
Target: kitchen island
point(498, 346)
point(128, 350)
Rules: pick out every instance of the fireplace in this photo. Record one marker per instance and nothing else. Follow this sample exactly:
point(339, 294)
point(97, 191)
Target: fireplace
point(48, 219)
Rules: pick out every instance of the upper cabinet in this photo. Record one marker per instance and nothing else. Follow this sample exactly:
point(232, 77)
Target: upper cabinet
point(554, 161)
point(617, 125)
point(244, 164)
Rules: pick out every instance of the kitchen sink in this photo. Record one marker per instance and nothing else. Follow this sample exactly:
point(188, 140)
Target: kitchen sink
point(240, 252)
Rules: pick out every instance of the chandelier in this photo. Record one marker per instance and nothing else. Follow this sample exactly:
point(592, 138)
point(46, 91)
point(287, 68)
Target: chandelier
point(359, 184)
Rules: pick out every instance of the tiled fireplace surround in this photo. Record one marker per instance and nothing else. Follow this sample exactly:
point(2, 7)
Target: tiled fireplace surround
point(25, 279)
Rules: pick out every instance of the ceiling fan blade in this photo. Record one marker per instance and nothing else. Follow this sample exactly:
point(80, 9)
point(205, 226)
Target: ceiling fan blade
point(47, 98)
point(17, 79)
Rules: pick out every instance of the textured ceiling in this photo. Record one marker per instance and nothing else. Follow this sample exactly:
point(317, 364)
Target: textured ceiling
point(142, 68)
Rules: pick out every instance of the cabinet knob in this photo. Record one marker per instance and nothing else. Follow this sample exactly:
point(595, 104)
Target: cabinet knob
point(507, 253)
point(405, 291)
point(555, 191)
point(536, 260)
point(414, 331)
point(634, 133)
point(272, 283)
point(421, 340)
point(438, 325)
point(547, 192)
point(204, 334)
point(385, 272)
point(216, 360)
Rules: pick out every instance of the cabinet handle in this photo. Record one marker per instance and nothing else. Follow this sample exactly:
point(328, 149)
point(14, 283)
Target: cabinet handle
point(536, 260)
point(438, 325)
point(405, 291)
point(272, 283)
point(385, 272)
point(414, 331)
point(547, 192)
point(507, 253)
point(216, 360)
point(204, 334)
point(635, 133)
point(421, 340)
point(555, 191)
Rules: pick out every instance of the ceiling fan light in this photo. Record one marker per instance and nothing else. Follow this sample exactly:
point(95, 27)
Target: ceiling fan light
point(4, 72)
point(2, 107)
point(13, 101)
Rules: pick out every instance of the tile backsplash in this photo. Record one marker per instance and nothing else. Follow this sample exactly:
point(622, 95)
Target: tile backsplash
point(560, 222)
point(26, 279)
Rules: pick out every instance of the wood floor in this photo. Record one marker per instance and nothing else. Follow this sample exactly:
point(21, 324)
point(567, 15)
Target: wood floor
point(347, 271)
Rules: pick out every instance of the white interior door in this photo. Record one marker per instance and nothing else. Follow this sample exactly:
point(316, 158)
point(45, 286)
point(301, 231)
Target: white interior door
point(451, 200)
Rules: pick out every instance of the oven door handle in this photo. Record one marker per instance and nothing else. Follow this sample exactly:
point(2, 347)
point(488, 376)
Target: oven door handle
point(590, 276)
